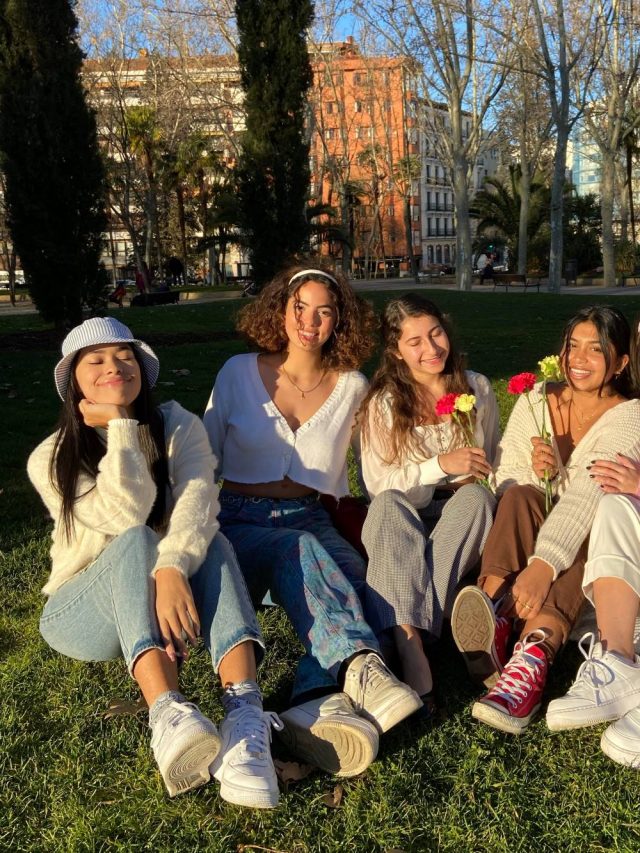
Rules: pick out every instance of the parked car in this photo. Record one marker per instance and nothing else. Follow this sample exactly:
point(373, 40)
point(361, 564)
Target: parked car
point(437, 269)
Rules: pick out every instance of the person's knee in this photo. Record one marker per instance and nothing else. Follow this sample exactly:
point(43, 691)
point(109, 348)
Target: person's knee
point(141, 533)
point(517, 496)
point(477, 499)
point(142, 542)
point(384, 506)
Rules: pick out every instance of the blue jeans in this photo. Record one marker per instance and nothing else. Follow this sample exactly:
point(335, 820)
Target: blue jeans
point(108, 610)
point(290, 548)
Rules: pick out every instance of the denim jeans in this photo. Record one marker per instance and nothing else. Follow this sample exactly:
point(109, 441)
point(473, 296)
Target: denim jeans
point(290, 548)
point(108, 610)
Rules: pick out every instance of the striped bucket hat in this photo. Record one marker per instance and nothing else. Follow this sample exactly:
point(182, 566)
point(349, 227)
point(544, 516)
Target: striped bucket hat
point(101, 330)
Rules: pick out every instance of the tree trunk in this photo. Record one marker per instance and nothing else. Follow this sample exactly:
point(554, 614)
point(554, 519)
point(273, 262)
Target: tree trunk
point(557, 207)
point(347, 222)
point(408, 231)
point(606, 207)
point(464, 255)
point(632, 213)
point(525, 205)
point(183, 231)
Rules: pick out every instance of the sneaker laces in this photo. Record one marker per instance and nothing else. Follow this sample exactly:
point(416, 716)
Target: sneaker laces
point(521, 673)
point(373, 671)
point(594, 672)
point(252, 728)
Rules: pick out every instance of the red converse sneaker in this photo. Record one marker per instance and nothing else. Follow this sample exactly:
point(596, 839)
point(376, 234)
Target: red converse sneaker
point(516, 697)
point(480, 635)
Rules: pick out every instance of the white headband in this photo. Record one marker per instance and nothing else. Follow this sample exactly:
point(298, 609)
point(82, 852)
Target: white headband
point(303, 273)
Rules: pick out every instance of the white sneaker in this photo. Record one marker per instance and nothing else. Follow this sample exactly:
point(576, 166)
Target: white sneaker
point(376, 693)
point(184, 743)
point(327, 733)
point(605, 688)
point(244, 766)
point(621, 740)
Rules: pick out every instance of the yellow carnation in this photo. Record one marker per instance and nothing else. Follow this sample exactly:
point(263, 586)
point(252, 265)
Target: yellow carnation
point(465, 402)
point(551, 368)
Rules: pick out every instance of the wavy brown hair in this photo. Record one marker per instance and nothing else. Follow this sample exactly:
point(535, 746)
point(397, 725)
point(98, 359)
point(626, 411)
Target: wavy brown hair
point(394, 383)
point(352, 341)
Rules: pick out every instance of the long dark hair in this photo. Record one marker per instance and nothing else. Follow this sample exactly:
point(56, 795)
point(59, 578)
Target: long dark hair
point(613, 332)
point(79, 449)
point(393, 381)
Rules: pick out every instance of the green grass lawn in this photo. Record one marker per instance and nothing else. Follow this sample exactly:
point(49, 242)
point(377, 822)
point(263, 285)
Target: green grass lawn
point(72, 780)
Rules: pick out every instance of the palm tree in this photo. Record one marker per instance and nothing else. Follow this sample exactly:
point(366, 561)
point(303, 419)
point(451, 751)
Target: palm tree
point(145, 138)
point(497, 208)
point(181, 169)
point(406, 172)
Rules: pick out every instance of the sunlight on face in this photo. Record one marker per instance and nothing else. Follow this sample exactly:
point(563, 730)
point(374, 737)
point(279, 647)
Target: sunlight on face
point(108, 373)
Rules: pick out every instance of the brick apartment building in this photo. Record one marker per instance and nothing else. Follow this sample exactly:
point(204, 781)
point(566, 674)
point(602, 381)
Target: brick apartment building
point(372, 159)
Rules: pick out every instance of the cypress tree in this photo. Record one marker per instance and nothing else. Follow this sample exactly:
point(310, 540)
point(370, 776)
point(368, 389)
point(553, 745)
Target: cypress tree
point(53, 169)
point(274, 161)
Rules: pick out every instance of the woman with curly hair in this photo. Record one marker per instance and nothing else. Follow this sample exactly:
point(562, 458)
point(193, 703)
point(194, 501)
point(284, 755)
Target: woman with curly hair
point(280, 422)
point(429, 517)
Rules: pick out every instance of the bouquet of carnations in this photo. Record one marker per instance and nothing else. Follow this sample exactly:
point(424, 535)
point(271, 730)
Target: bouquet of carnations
point(460, 407)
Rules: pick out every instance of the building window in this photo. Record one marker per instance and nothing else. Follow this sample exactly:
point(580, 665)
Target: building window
point(330, 133)
point(358, 77)
point(330, 107)
point(357, 106)
point(391, 211)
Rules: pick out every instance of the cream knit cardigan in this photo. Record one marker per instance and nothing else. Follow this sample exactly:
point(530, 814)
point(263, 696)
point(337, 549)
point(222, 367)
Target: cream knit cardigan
point(123, 493)
point(570, 520)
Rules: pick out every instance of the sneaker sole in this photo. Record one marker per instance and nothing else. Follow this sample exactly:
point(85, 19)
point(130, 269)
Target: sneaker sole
point(473, 625)
point(248, 797)
point(191, 768)
point(626, 757)
point(498, 720)
point(566, 720)
point(562, 724)
point(393, 712)
point(344, 749)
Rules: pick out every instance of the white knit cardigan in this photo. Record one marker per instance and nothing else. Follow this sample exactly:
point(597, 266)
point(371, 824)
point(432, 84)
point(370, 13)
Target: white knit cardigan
point(570, 520)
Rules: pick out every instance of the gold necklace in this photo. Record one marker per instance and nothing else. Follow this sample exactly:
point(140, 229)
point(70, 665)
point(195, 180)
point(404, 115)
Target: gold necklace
point(581, 417)
point(298, 388)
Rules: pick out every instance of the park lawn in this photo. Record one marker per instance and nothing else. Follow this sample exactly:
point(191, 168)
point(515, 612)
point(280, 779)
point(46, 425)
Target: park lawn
point(72, 780)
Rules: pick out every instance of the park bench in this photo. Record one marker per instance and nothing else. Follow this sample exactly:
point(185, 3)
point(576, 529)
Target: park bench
point(631, 279)
point(514, 280)
point(157, 297)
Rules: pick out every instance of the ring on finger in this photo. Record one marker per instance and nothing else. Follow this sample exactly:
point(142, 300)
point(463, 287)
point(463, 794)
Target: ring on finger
point(528, 606)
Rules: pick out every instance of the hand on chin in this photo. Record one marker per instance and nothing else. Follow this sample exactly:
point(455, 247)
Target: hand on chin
point(99, 414)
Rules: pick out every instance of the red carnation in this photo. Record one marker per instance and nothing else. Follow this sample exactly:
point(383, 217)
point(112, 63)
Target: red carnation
point(446, 405)
point(521, 383)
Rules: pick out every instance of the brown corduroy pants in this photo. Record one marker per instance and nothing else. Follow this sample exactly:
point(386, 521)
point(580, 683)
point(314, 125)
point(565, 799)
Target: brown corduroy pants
point(511, 543)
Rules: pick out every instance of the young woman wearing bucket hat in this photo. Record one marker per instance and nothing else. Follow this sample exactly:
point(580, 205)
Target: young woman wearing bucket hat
point(139, 569)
